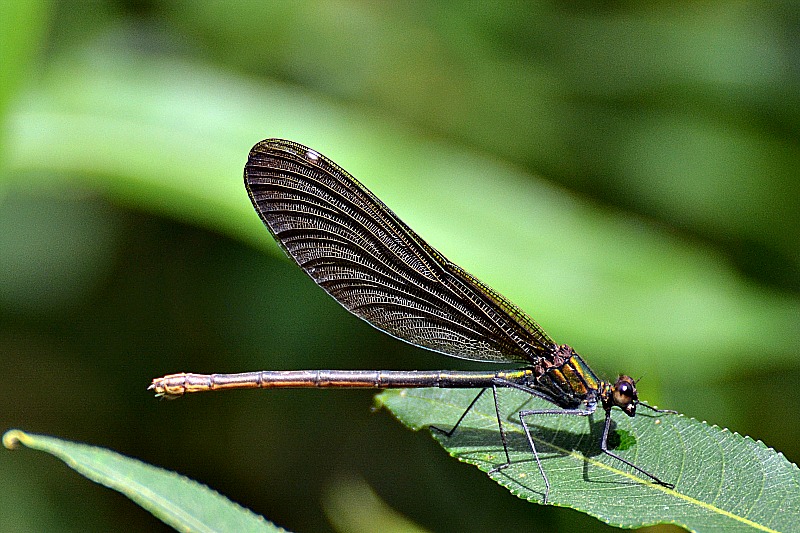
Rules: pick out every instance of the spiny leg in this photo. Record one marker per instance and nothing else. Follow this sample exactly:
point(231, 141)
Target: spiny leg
point(502, 433)
point(667, 411)
point(523, 414)
point(604, 448)
point(463, 415)
point(503, 437)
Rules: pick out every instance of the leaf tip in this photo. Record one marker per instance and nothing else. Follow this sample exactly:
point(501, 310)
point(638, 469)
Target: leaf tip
point(13, 438)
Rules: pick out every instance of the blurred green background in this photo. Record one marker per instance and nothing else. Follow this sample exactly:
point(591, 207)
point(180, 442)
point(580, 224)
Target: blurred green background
point(627, 175)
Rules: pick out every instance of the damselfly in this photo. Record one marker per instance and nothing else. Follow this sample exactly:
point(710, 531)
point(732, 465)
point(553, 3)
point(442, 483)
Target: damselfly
point(379, 269)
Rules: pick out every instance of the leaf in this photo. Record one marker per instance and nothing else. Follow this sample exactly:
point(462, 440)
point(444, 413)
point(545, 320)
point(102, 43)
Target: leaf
point(23, 28)
point(350, 504)
point(723, 481)
point(175, 499)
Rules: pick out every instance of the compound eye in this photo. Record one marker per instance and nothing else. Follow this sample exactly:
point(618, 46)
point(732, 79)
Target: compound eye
point(624, 395)
point(625, 390)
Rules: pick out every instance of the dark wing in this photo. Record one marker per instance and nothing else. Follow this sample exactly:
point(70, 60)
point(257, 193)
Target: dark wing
point(356, 248)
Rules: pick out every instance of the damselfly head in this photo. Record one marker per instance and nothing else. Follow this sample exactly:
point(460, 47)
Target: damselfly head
point(624, 395)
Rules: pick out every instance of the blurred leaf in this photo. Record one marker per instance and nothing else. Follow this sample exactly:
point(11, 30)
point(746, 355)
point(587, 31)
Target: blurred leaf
point(723, 481)
point(352, 506)
point(172, 137)
point(683, 115)
point(22, 28)
point(176, 500)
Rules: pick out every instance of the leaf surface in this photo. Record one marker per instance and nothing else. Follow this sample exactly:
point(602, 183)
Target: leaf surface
point(723, 481)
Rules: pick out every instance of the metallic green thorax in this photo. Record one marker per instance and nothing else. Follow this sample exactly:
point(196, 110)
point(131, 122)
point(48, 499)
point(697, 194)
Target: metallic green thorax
point(567, 380)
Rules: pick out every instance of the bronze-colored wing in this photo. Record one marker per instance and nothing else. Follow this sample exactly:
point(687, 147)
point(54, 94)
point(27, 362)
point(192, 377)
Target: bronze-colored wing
point(375, 266)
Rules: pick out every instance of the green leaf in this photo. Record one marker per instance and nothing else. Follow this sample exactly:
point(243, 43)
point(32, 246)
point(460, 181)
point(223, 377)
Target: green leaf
point(723, 481)
point(23, 31)
point(176, 500)
point(350, 504)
